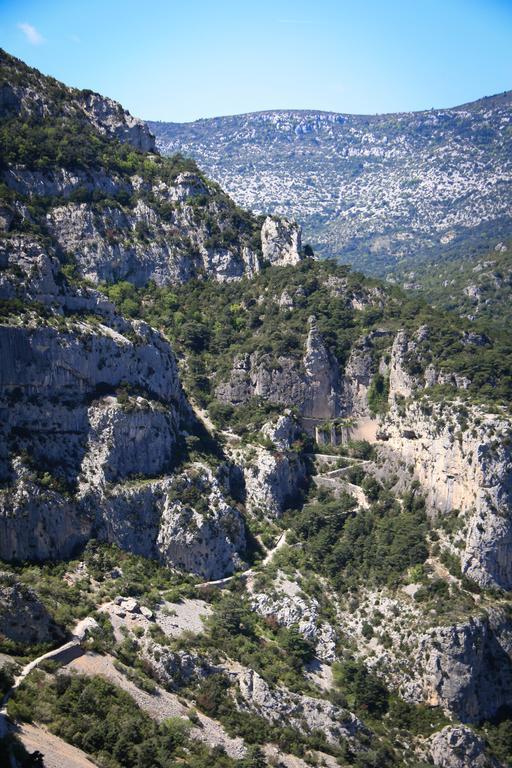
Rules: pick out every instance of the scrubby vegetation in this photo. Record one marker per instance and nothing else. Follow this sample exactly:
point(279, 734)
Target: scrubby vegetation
point(498, 734)
point(352, 546)
point(478, 286)
point(235, 631)
point(104, 721)
point(211, 323)
point(106, 572)
point(365, 693)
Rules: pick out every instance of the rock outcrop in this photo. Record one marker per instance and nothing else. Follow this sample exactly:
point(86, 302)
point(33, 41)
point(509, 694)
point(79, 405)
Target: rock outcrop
point(311, 383)
point(174, 668)
point(322, 377)
point(278, 705)
point(28, 94)
point(272, 476)
point(401, 381)
point(357, 377)
point(459, 747)
point(461, 457)
point(280, 242)
point(272, 479)
point(467, 668)
point(292, 610)
point(109, 118)
point(23, 618)
point(199, 531)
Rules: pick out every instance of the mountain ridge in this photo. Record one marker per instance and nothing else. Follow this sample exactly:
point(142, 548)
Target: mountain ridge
point(378, 191)
point(495, 97)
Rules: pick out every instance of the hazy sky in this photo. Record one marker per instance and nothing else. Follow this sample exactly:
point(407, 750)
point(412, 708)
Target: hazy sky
point(179, 61)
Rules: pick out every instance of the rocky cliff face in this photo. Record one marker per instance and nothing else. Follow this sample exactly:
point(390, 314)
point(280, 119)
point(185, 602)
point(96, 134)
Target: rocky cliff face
point(301, 712)
point(116, 213)
point(467, 668)
point(459, 748)
point(137, 244)
point(273, 476)
point(91, 406)
point(462, 460)
point(205, 534)
point(458, 452)
point(312, 384)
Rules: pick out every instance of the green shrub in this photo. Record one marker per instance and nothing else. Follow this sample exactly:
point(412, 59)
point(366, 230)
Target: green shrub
point(104, 721)
point(378, 393)
point(353, 546)
point(363, 690)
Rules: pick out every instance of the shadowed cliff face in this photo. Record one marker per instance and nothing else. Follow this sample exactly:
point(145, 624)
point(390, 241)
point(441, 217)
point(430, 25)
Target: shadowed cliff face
point(87, 399)
point(92, 413)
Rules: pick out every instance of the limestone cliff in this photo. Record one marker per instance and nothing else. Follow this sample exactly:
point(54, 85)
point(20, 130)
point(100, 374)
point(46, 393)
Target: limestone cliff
point(92, 409)
point(459, 748)
point(311, 383)
point(98, 440)
point(273, 475)
point(118, 212)
point(280, 242)
point(461, 457)
point(467, 668)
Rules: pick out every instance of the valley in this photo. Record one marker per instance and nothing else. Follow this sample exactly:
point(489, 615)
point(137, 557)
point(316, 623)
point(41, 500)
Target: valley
point(263, 499)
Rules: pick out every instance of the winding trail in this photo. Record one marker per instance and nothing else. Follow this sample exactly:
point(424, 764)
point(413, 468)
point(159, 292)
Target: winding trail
point(64, 654)
point(250, 571)
point(333, 481)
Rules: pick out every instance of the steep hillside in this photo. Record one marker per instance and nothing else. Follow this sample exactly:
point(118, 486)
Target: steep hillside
point(93, 414)
point(73, 172)
point(255, 508)
point(477, 287)
point(376, 191)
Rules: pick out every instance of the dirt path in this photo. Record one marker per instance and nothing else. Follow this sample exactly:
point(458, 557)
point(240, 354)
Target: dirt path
point(250, 571)
point(278, 545)
point(202, 415)
point(57, 752)
point(159, 705)
point(63, 654)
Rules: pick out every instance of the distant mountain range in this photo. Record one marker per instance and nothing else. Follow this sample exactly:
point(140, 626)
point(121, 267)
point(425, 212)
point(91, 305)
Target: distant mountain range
point(384, 192)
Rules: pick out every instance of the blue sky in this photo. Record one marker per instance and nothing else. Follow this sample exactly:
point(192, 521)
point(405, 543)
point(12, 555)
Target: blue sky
point(179, 61)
